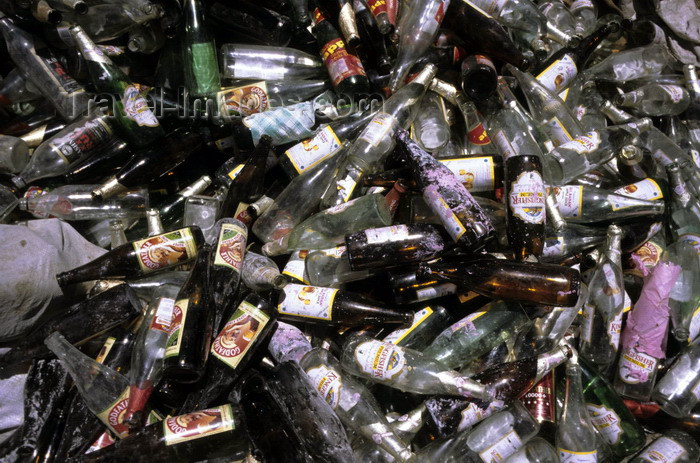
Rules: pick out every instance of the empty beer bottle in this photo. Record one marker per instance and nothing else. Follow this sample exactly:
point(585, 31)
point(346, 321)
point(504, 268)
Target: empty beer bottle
point(526, 215)
point(460, 214)
point(248, 184)
point(199, 52)
point(313, 304)
point(189, 335)
point(674, 445)
point(576, 439)
point(655, 100)
point(135, 118)
point(138, 258)
point(225, 266)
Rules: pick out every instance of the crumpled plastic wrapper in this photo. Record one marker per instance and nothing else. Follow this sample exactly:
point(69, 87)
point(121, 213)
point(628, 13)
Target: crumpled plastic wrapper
point(32, 255)
point(11, 403)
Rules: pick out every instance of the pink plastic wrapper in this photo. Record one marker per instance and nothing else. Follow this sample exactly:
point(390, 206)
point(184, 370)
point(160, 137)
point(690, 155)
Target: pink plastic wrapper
point(647, 324)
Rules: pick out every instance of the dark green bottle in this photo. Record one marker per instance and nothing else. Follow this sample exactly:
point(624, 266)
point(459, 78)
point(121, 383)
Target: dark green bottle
point(199, 53)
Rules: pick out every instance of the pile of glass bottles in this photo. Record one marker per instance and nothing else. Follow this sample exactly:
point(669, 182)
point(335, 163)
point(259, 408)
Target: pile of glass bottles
point(355, 230)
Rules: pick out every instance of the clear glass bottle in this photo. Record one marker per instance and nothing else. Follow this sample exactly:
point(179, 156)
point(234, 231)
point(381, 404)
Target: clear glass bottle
point(268, 63)
point(14, 154)
point(678, 391)
point(673, 446)
point(576, 439)
point(655, 100)
point(537, 450)
point(684, 298)
point(432, 132)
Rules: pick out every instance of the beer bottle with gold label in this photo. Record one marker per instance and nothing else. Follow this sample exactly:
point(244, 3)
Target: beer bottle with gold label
point(137, 258)
point(225, 265)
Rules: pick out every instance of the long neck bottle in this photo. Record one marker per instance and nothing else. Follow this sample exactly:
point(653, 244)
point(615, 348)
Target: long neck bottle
point(674, 445)
point(171, 209)
point(199, 52)
point(562, 244)
point(260, 273)
point(644, 337)
point(313, 304)
point(105, 391)
point(609, 414)
point(406, 369)
point(376, 140)
point(189, 335)
point(39, 65)
point(149, 348)
point(135, 118)
point(268, 63)
point(140, 257)
point(248, 184)
point(245, 332)
point(576, 439)
point(655, 100)
point(507, 280)
point(526, 216)
point(602, 312)
point(685, 209)
point(460, 214)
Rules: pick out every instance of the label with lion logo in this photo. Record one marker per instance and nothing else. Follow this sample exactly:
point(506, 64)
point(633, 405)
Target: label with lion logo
point(526, 199)
point(113, 416)
point(198, 424)
point(231, 246)
point(243, 101)
point(239, 334)
point(166, 250)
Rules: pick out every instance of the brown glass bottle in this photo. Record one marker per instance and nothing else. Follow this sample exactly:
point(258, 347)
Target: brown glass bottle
point(248, 185)
point(137, 258)
point(314, 304)
point(540, 402)
point(479, 77)
point(205, 434)
point(189, 335)
point(460, 214)
point(246, 330)
point(525, 282)
point(525, 217)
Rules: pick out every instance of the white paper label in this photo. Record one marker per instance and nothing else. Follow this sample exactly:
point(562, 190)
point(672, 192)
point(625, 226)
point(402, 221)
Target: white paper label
point(504, 145)
point(663, 450)
point(502, 449)
point(477, 174)
point(434, 292)
point(437, 204)
point(308, 301)
point(558, 74)
point(569, 200)
point(557, 132)
point(327, 382)
point(606, 421)
point(380, 127)
point(419, 317)
point(387, 234)
point(636, 367)
point(646, 189)
point(164, 315)
point(583, 143)
point(381, 360)
point(296, 265)
point(526, 199)
point(136, 108)
point(309, 153)
point(569, 456)
point(554, 246)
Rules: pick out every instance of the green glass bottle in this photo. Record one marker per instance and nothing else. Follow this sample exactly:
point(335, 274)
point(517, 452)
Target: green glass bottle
point(199, 53)
point(609, 414)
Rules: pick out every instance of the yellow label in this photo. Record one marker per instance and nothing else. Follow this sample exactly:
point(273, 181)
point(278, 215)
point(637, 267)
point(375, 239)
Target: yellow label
point(239, 334)
point(231, 246)
point(397, 336)
point(177, 325)
point(106, 347)
point(166, 250)
point(113, 416)
point(198, 424)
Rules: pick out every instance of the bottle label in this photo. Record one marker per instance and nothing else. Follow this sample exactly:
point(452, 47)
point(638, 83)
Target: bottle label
point(646, 189)
point(440, 13)
point(327, 382)
point(437, 204)
point(557, 132)
point(478, 135)
point(69, 84)
point(502, 448)
point(663, 450)
point(82, 141)
point(674, 91)
point(583, 144)
point(296, 265)
point(95, 54)
point(106, 347)
point(198, 424)
point(580, 111)
point(554, 246)
point(695, 154)
point(693, 240)
point(588, 313)
point(380, 127)
point(172, 344)
point(231, 246)
point(239, 334)
point(167, 250)
point(477, 174)
point(540, 400)
point(163, 317)
point(569, 200)
point(570, 456)
point(649, 253)
point(136, 108)
point(346, 186)
point(396, 336)
point(433, 292)
point(381, 360)
point(105, 440)
point(243, 101)
point(527, 196)
point(636, 367)
point(387, 234)
point(283, 124)
point(377, 7)
point(308, 301)
point(339, 62)
point(467, 323)
point(559, 74)
point(113, 416)
point(235, 171)
point(309, 153)
point(606, 421)
point(336, 252)
point(473, 414)
point(503, 144)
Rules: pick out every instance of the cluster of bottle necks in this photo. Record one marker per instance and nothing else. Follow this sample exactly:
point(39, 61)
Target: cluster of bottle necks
point(368, 230)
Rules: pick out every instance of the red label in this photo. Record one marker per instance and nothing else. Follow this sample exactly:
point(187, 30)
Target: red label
point(318, 16)
point(478, 135)
point(377, 7)
point(339, 62)
point(440, 14)
point(539, 400)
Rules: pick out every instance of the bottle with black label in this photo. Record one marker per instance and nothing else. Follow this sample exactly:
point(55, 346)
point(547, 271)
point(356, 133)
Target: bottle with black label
point(526, 215)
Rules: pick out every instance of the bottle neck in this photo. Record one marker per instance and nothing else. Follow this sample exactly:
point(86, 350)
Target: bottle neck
point(197, 187)
point(680, 191)
point(547, 361)
point(394, 196)
point(573, 402)
point(615, 114)
point(588, 44)
point(613, 245)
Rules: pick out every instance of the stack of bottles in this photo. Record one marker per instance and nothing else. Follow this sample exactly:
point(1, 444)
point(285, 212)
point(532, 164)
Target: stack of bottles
point(356, 230)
